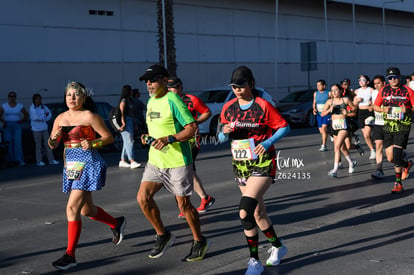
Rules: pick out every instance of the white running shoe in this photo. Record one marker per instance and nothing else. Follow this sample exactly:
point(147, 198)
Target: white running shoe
point(372, 155)
point(351, 168)
point(124, 164)
point(333, 173)
point(135, 164)
point(276, 254)
point(323, 148)
point(40, 163)
point(254, 267)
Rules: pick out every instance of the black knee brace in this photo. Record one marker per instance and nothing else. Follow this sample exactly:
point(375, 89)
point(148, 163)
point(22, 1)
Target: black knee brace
point(249, 205)
point(398, 156)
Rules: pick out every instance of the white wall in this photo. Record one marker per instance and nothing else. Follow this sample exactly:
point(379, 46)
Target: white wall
point(45, 43)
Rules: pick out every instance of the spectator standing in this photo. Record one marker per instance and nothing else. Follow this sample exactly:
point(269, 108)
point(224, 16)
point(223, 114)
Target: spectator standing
point(396, 102)
point(127, 107)
point(139, 109)
point(170, 165)
point(39, 116)
point(200, 113)
point(12, 114)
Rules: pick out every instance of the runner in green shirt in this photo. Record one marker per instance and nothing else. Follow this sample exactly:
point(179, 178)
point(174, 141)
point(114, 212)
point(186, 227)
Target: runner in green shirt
point(170, 126)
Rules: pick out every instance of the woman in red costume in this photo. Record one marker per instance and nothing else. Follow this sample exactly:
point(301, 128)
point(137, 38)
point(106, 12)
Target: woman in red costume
point(84, 170)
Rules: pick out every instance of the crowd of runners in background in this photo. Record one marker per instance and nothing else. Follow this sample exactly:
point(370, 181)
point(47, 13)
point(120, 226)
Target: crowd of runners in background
point(381, 109)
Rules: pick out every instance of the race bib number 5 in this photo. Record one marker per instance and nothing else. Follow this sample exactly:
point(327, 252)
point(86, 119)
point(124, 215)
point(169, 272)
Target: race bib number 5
point(339, 124)
point(243, 149)
point(395, 114)
point(74, 169)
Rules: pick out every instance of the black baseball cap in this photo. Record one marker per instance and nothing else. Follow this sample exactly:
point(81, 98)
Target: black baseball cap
point(392, 71)
point(347, 80)
point(153, 71)
point(174, 82)
point(241, 76)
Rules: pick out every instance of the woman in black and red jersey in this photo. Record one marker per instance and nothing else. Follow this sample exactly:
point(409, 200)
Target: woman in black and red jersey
point(249, 121)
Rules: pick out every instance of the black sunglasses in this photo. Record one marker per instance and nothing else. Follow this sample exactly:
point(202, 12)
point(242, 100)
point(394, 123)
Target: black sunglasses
point(154, 79)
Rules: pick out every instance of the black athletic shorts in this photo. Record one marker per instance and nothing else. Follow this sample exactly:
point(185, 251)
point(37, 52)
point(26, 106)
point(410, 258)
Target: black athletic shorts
point(398, 138)
point(378, 132)
point(363, 115)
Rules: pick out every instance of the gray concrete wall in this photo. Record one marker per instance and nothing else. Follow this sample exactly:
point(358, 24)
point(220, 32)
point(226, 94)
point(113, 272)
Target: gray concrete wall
point(46, 43)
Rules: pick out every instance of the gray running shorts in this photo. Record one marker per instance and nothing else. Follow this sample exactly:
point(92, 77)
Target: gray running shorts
point(178, 181)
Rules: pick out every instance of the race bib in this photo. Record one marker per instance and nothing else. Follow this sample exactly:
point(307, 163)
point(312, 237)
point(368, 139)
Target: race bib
point(379, 118)
point(339, 124)
point(320, 107)
point(74, 169)
point(243, 149)
point(395, 113)
point(369, 120)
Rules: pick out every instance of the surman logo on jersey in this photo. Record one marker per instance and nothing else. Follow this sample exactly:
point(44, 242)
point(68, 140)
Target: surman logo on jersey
point(239, 124)
point(397, 98)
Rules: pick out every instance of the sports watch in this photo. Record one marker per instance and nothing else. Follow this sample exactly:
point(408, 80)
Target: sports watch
point(171, 139)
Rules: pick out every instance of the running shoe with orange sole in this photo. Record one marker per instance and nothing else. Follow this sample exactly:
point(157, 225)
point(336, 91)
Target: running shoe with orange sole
point(406, 171)
point(397, 188)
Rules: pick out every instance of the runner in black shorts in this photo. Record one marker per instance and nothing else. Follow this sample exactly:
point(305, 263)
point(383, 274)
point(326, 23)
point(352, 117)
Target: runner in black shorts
point(249, 121)
point(378, 129)
point(396, 102)
point(337, 107)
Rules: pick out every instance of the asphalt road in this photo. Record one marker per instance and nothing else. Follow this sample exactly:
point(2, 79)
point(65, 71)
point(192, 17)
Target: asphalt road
point(348, 225)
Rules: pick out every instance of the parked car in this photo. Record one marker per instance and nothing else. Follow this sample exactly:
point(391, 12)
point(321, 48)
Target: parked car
point(215, 100)
point(102, 108)
point(297, 108)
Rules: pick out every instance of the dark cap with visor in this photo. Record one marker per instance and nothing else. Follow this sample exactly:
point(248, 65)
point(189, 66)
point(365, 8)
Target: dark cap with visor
point(392, 71)
point(153, 71)
point(241, 76)
point(174, 82)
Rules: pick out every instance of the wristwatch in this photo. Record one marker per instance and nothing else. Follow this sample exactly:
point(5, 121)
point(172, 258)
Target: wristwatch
point(171, 139)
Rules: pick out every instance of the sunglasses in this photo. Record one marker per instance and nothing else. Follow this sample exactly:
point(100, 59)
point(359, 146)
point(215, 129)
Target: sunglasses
point(362, 80)
point(392, 77)
point(12, 95)
point(154, 79)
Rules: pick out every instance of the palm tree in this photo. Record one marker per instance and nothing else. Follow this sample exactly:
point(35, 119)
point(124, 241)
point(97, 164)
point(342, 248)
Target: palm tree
point(170, 39)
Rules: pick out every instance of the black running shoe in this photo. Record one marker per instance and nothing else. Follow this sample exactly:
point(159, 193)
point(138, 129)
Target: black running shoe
point(118, 231)
point(161, 244)
point(65, 262)
point(360, 150)
point(198, 250)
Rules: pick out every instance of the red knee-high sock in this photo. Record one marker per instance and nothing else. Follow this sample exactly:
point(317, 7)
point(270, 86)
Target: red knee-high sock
point(74, 230)
point(102, 216)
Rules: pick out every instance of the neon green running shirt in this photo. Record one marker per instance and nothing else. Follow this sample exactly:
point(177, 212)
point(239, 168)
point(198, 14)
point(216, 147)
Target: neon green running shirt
point(167, 116)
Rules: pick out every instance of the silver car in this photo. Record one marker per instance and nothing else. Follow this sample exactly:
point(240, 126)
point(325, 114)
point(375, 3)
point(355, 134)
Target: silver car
point(215, 100)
